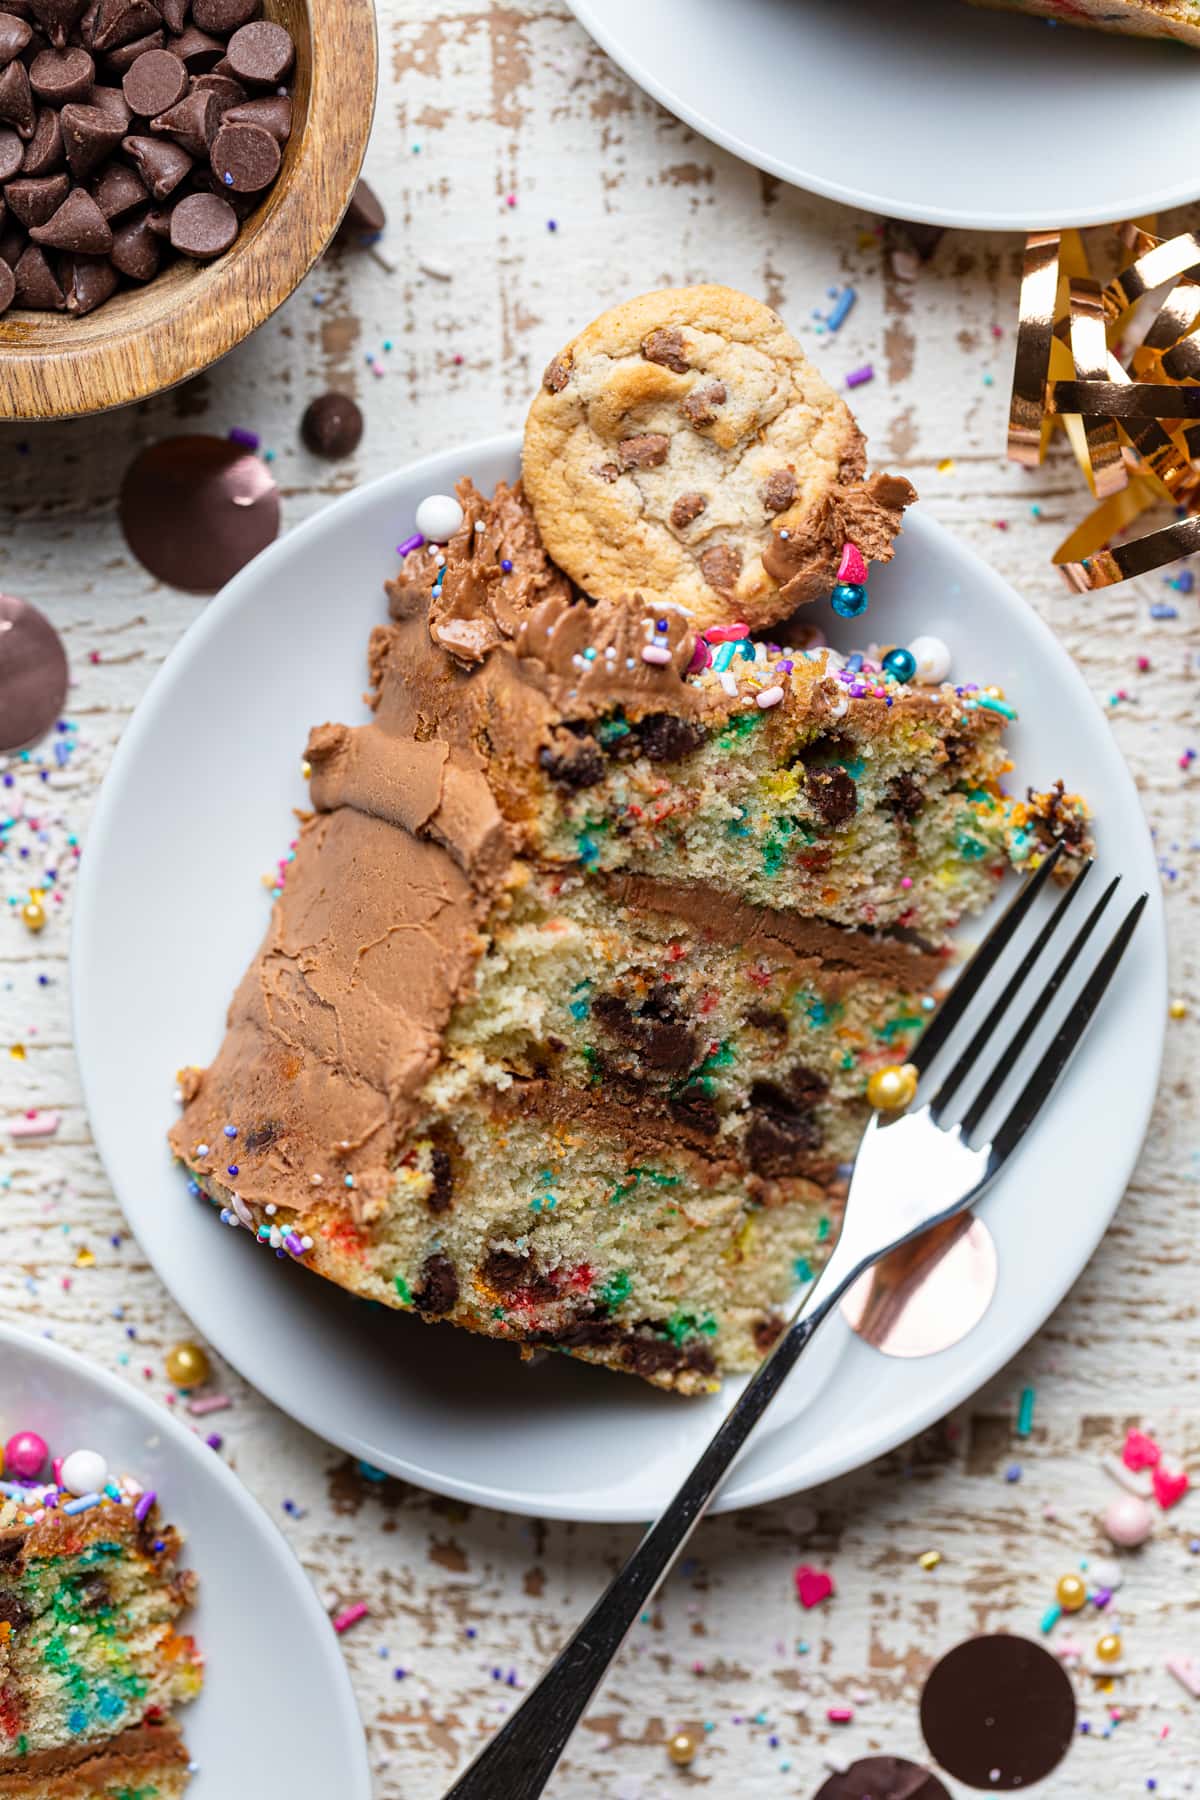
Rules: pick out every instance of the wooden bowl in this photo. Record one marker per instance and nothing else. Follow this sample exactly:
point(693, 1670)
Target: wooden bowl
point(143, 340)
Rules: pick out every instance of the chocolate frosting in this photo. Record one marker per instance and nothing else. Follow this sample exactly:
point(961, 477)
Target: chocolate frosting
point(126, 1758)
point(868, 514)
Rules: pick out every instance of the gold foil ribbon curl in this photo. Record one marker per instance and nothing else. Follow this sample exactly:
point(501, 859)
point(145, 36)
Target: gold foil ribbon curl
point(1134, 426)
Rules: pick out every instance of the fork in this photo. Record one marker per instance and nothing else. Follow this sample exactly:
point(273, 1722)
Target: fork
point(913, 1171)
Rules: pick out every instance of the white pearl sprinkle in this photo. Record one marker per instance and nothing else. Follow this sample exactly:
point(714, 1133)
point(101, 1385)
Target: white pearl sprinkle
point(84, 1472)
point(932, 659)
point(770, 697)
point(439, 517)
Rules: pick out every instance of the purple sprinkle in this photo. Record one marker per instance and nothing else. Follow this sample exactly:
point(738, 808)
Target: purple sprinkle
point(294, 1244)
point(227, 178)
point(784, 667)
point(144, 1504)
point(857, 377)
point(231, 1131)
point(231, 1169)
point(1101, 1597)
point(410, 543)
point(249, 440)
point(214, 1440)
point(399, 1674)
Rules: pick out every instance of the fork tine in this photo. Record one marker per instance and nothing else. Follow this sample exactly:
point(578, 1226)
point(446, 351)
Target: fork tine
point(1025, 1030)
point(963, 1066)
point(1066, 1040)
point(981, 964)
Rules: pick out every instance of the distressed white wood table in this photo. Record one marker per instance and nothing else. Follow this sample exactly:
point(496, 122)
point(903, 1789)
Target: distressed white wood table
point(478, 105)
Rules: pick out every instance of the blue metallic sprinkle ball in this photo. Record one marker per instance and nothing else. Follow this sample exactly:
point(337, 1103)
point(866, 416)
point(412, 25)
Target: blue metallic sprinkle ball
point(849, 599)
point(900, 663)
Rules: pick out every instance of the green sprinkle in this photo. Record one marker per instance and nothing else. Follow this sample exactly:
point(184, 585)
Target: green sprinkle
point(823, 1228)
point(589, 849)
point(997, 706)
point(681, 1326)
point(969, 848)
point(1025, 1413)
point(611, 731)
point(403, 1289)
point(803, 1269)
point(741, 725)
point(820, 1014)
point(1050, 1619)
point(905, 1022)
point(617, 1289)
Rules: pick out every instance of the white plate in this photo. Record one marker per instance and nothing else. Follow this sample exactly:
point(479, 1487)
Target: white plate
point(170, 908)
point(258, 1621)
point(931, 111)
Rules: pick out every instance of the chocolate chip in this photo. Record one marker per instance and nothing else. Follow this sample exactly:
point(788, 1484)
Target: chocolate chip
point(606, 472)
point(260, 54)
point(437, 1290)
point(659, 1038)
point(60, 76)
point(224, 16)
point(14, 1611)
point(766, 1332)
point(687, 508)
point(781, 1129)
point(332, 425)
point(119, 62)
point(646, 451)
point(203, 226)
point(510, 1273)
point(14, 36)
point(37, 284)
point(95, 1595)
point(174, 14)
point(700, 406)
point(198, 51)
point(120, 21)
point(573, 762)
point(56, 17)
point(88, 281)
point(112, 101)
point(44, 153)
point(664, 737)
point(78, 227)
point(364, 217)
point(136, 249)
point(16, 99)
point(905, 794)
point(556, 376)
point(161, 164)
point(720, 566)
point(118, 190)
point(159, 220)
point(779, 490)
point(8, 286)
point(155, 82)
point(12, 150)
point(666, 346)
point(273, 114)
point(33, 201)
point(441, 1169)
point(244, 158)
point(832, 795)
point(89, 135)
point(192, 123)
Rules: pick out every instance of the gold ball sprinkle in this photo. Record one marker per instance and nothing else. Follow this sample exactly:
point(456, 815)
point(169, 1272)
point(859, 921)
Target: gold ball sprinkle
point(893, 1088)
point(1108, 1648)
point(1071, 1592)
point(187, 1365)
point(682, 1749)
point(33, 914)
point(1178, 1009)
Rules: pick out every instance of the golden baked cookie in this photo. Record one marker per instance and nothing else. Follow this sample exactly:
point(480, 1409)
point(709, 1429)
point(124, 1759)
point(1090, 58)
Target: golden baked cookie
point(683, 446)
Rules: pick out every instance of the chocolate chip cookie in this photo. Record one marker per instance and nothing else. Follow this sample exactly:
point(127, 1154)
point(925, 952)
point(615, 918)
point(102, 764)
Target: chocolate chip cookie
point(682, 446)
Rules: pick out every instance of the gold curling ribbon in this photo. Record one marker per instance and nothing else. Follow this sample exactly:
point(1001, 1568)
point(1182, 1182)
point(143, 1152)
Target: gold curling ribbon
point(1134, 426)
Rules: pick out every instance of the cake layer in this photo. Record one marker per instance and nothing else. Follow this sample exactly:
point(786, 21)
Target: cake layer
point(147, 1762)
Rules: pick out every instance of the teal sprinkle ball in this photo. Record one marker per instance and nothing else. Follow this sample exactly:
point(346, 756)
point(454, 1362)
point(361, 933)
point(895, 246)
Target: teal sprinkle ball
point(900, 663)
point(849, 599)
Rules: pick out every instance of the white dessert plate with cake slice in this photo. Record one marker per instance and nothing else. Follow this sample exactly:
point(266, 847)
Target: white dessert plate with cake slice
point(197, 806)
point(276, 1718)
point(937, 112)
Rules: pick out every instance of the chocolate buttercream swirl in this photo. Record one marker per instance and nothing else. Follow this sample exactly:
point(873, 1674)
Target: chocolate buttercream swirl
point(868, 514)
point(616, 653)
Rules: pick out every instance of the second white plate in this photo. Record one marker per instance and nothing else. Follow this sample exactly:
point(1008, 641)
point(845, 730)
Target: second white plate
point(197, 806)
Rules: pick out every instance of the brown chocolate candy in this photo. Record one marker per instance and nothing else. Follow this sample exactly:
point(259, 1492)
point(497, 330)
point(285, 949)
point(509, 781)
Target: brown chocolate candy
point(195, 509)
point(14, 35)
point(32, 201)
point(260, 54)
point(159, 220)
point(60, 76)
point(157, 81)
point(16, 99)
point(112, 101)
point(56, 17)
point(44, 153)
point(78, 227)
point(998, 1712)
point(33, 674)
point(88, 281)
point(193, 123)
point(364, 217)
point(332, 425)
point(37, 284)
point(90, 135)
point(120, 21)
point(203, 226)
point(119, 62)
point(12, 150)
point(8, 286)
point(136, 248)
point(200, 52)
point(228, 91)
point(882, 1778)
point(245, 158)
point(224, 16)
point(117, 190)
point(161, 164)
point(273, 113)
point(12, 244)
point(174, 13)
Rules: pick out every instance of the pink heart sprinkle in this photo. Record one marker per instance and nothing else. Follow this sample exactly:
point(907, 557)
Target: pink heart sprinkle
point(1140, 1452)
point(813, 1586)
point(1170, 1485)
point(725, 634)
point(852, 567)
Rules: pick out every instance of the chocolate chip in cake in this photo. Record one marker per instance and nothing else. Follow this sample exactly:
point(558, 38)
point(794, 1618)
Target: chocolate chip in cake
point(654, 1031)
point(90, 134)
point(782, 1127)
point(14, 1610)
point(245, 157)
point(905, 794)
point(441, 1171)
point(664, 737)
point(332, 425)
point(157, 81)
point(666, 346)
point(779, 491)
point(203, 226)
point(60, 76)
point(574, 762)
point(511, 1273)
point(720, 566)
point(687, 508)
point(44, 154)
point(700, 406)
point(260, 54)
point(556, 376)
point(95, 1595)
point(832, 795)
point(437, 1290)
point(766, 1332)
point(648, 450)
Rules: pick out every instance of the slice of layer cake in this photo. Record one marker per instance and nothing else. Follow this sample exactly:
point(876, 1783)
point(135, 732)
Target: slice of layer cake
point(1135, 18)
point(564, 1022)
point(91, 1658)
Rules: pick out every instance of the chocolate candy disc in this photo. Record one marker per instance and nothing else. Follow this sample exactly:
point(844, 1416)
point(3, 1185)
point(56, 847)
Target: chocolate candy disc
point(998, 1712)
point(245, 158)
point(332, 425)
point(195, 509)
point(59, 76)
point(203, 226)
point(33, 674)
point(882, 1778)
point(260, 54)
point(155, 82)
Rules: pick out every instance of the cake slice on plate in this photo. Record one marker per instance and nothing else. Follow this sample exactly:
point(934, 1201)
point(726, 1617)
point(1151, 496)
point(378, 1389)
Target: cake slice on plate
point(601, 932)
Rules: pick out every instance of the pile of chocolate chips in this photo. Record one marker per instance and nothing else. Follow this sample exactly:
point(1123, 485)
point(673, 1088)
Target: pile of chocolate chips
point(130, 129)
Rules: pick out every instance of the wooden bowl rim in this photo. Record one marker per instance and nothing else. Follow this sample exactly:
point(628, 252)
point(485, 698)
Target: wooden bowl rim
point(229, 299)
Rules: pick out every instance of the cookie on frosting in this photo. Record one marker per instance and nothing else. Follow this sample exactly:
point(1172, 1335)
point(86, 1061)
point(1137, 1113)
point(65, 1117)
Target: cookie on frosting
point(683, 446)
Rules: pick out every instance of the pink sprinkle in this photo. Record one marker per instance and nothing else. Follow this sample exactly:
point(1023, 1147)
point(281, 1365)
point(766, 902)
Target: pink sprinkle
point(812, 1586)
point(840, 1715)
point(725, 634)
point(657, 654)
point(350, 1617)
point(1170, 1484)
point(209, 1404)
point(56, 1469)
point(906, 881)
point(1140, 1451)
point(852, 566)
point(701, 657)
point(35, 1125)
point(510, 199)
point(1143, 663)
